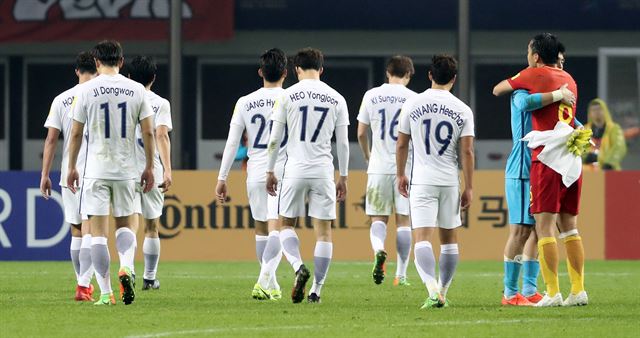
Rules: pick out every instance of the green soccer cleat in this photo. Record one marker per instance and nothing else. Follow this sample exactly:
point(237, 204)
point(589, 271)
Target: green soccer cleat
point(432, 303)
point(379, 267)
point(401, 281)
point(276, 294)
point(259, 293)
point(126, 285)
point(108, 299)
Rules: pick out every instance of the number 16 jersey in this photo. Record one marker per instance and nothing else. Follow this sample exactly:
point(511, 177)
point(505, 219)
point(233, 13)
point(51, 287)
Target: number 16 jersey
point(311, 110)
point(111, 106)
point(435, 120)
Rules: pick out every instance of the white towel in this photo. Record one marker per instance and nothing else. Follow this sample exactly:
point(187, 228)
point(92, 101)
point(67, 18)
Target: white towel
point(555, 154)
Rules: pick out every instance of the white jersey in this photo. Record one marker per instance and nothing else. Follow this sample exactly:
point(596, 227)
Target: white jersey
point(380, 109)
point(311, 110)
point(435, 120)
point(111, 106)
point(253, 113)
point(60, 118)
point(162, 110)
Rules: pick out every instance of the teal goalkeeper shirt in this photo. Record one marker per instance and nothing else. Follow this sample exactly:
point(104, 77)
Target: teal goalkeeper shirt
point(519, 161)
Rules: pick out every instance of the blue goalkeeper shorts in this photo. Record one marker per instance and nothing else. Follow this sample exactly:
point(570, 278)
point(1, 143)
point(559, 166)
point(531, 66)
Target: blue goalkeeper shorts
point(518, 199)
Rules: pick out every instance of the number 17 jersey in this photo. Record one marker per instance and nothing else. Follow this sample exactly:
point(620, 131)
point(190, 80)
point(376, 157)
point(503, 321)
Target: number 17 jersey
point(380, 110)
point(435, 120)
point(311, 110)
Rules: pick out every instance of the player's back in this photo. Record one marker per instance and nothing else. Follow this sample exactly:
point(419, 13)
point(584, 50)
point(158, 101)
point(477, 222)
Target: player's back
point(380, 110)
point(162, 116)
point(436, 120)
point(111, 106)
point(253, 112)
point(312, 110)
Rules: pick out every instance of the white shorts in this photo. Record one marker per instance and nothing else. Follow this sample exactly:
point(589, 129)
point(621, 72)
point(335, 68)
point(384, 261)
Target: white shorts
point(435, 206)
point(383, 195)
point(320, 193)
point(150, 204)
point(96, 196)
point(71, 203)
point(263, 206)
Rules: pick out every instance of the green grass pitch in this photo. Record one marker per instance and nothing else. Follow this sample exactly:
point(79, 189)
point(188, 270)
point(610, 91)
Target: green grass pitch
point(213, 299)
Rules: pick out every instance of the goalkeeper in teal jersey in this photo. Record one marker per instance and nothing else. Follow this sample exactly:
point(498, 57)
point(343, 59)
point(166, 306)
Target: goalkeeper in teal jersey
point(520, 252)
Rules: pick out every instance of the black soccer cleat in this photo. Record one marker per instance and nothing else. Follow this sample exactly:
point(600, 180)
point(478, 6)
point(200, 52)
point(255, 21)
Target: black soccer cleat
point(379, 267)
point(313, 298)
point(126, 285)
point(148, 284)
point(302, 276)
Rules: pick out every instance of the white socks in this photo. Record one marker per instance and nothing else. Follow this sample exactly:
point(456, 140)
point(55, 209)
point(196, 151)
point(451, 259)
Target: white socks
point(101, 261)
point(270, 260)
point(377, 235)
point(321, 259)
point(151, 251)
point(74, 251)
point(426, 265)
point(86, 267)
point(291, 248)
point(403, 245)
point(126, 246)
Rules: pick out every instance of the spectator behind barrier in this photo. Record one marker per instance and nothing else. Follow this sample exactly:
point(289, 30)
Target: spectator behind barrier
point(610, 146)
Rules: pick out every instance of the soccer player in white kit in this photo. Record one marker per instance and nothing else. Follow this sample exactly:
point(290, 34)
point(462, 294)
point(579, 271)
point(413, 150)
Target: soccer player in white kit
point(111, 106)
point(60, 120)
point(313, 112)
point(253, 114)
point(142, 69)
point(380, 109)
point(436, 121)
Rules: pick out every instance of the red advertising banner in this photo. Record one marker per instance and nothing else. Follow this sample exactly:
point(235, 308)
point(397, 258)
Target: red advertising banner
point(622, 215)
point(139, 20)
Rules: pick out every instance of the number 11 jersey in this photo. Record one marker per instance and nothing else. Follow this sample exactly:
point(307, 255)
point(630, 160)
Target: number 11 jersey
point(111, 106)
point(311, 110)
point(435, 120)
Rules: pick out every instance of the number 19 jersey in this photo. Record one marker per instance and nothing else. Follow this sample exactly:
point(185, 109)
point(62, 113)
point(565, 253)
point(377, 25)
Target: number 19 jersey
point(380, 109)
point(253, 113)
point(435, 120)
point(111, 106)
point(311, 110)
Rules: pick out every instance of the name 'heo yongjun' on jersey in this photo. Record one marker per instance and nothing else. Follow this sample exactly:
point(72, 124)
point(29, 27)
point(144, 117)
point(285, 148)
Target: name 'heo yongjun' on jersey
point(388, 99)
point(112, 90)
point(259, 104)
point(433, 108)
point(324, 98)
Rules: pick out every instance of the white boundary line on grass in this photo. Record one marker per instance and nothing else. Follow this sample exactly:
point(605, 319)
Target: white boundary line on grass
point(304, 327)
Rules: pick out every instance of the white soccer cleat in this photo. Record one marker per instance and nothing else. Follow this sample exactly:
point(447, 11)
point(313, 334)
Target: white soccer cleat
point(579, 299)
point(547, 301)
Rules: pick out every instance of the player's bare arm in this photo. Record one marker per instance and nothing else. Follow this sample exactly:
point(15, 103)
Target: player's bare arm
point(502, 88)
point(363, 140)
point(277, 133)
point(468, 163)
point(342, 148)
point(402, 153)
point(147, 180)
point(47, 159)
point(164, 148)
point(75, 140)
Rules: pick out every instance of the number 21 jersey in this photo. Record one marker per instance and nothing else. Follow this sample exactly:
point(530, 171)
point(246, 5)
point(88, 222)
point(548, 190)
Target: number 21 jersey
point(435, 120)
point(311, 110)
point(111, 106)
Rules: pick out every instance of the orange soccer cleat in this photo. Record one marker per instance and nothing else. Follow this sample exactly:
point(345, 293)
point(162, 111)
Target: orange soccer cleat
point(535, 298)
point(517, 300)
point(84, 294)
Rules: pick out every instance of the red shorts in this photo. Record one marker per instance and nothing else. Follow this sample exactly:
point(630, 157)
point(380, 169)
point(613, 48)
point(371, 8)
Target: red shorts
point(549, 194)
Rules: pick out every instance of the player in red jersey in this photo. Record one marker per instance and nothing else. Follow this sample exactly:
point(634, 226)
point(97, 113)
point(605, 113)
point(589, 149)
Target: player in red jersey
point(551, 202)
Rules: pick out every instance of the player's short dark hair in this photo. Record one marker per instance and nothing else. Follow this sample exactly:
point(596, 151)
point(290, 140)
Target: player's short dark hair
point(142, 69)
point(108, 52)
point(400, 66)
point(273, 64)
point(443, 68)
point(547, 46)
point(309, 58)
point(561, 49)
point(85, 63)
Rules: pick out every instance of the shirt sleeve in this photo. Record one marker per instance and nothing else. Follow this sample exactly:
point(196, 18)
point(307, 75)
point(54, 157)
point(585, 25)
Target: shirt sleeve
point(523, 101)
point(363, 113)
point(522, 80)
point(469, 126)
point(279, 113)
point(53, 119)
point(78, 108)
point(163, 117)
point(236, 118)
point(342, 116)
point(404, 126)
point(145, 108)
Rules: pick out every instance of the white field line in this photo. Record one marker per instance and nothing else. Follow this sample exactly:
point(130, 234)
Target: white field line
point(214, 330)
